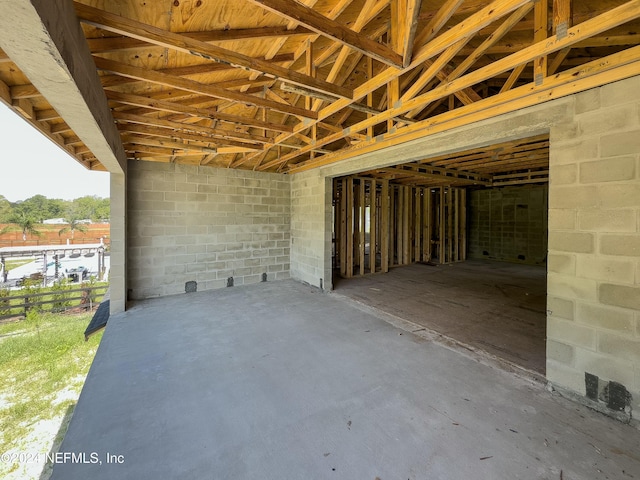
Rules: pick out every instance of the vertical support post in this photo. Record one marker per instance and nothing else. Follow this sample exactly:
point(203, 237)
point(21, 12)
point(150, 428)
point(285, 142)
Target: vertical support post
point(406, 226)
point(343, 227)
point(44, 269)
point(450, 224)
point(363, 227)
point(417, 226)
point(562, 17)
point(456, 234)
point(373, 224)
point(384, 227)
point(427, 221)
point(3, 269)
point(540, 23)
point(442, 223)
point(393, 95)
point(463, 222)
point(400, 225)
point(392, 224)
point(349, 231)
point(369, 66)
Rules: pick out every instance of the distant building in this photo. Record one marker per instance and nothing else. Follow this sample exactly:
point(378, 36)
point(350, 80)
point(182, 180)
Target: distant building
point(55, 221)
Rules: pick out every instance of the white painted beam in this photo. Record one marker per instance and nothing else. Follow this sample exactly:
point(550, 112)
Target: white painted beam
point(45, 40)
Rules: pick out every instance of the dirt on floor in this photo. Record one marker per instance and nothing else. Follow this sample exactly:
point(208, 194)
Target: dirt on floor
point(496, 307)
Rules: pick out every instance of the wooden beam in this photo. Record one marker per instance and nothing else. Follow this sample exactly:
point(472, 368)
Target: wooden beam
point(332, 29)
point(513, 78)
point(37, 36)
point(384, 226)
point(139, 140)
point(196, 87)
point(124, 26)
point(373, 226)
point(188, 127)
point(186, 71)
point(474, 23)
point(404, 23)
point(358, 107)
point(599, 72)
point(446, 11)
point(610, 19)
point(540, 24)
point(181, 135)
point(114, 44)
point(175, 107)
point(562, 15)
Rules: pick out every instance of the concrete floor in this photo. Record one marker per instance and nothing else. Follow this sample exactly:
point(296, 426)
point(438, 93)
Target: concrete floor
point(496, 307)
point(280, 381)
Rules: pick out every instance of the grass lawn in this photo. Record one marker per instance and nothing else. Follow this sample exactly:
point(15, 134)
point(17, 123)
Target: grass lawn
point(43, 364)
point(11, 264)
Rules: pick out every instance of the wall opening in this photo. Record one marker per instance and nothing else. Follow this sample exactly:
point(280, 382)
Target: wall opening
point(457, 245)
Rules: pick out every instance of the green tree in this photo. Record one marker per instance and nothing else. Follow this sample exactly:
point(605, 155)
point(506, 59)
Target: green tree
point(21, 220)
point(92, 207)
point(5, 210)
point(73, 223)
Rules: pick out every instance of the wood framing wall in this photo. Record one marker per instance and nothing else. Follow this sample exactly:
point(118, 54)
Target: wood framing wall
point(379, 224)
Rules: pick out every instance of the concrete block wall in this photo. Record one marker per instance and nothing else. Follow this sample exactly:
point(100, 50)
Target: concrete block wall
point(593, 328)
point(203, 224)
point(311, 229)
point(508, 224)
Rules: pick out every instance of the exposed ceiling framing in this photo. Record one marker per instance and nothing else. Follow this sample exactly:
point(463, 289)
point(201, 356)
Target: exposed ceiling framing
point(285, 85)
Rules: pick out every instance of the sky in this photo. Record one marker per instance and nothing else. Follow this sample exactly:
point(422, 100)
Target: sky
point(31, 164)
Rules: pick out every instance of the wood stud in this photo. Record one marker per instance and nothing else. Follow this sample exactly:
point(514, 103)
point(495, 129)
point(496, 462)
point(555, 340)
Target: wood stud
point(379, 224)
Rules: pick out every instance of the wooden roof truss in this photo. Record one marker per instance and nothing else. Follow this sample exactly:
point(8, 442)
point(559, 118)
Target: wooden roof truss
point(286, 85)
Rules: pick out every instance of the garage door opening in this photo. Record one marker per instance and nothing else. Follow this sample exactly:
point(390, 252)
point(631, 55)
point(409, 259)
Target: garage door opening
point(470, 233)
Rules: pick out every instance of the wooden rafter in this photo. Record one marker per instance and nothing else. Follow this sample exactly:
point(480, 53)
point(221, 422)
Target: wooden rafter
point(175, 107)
point(474, 23)
point(322, 25)
point(149, 33)
point(610, 19)
point(195, 87)
point(115, 44)
point(617, 66)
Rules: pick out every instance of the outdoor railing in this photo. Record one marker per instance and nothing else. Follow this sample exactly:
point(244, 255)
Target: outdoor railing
point(54, 300)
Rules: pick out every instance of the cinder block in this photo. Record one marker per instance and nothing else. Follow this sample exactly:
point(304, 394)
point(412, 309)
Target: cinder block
point(619, 346)
point(619, 220)
point(622, 195)
point(562, 219)
point(587, 101)
point(561, 263)
point(573, 197)
point(570, 287)
point(573, 151)
point(571, 242)
point(609, 170)
point(606, 120)
point(621, 143)
point(627, 245)
point(621, 92)
point(605, 268)
point(560, 352)
point(559, 374)
point(603, 317)
point(563, 174)
point(619, 295)
point(564, 331)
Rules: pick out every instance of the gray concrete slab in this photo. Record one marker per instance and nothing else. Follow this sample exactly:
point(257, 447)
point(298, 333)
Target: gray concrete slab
point(280, 381)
